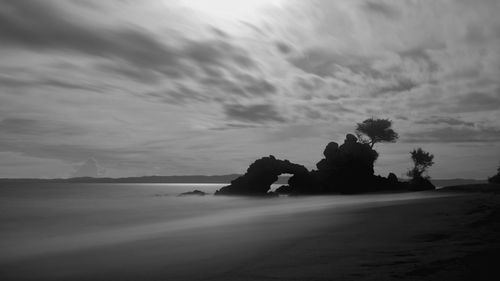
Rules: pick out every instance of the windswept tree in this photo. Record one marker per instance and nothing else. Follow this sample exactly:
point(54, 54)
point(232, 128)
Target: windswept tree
point(372, 131)
point(422, 160)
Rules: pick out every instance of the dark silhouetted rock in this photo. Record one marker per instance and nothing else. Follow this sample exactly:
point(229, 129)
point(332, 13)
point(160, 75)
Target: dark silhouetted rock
point(330, 150)
point(495, 179)
point(195, 192)
point(347, 168)
point(284, 189)
point(420, 184)
point(392, 178)
point(264, 172)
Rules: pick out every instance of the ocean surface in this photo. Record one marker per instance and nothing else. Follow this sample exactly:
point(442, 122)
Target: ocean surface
point(52, 218)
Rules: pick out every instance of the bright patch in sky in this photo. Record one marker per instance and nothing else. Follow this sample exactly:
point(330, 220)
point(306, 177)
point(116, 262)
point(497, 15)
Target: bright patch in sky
point(231, 8)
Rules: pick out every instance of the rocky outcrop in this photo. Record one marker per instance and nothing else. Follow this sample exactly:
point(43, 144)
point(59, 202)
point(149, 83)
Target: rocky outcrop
point(420, 184)
point(194, 192)
point(496, 178)
point(262, 173)
point(347, 168)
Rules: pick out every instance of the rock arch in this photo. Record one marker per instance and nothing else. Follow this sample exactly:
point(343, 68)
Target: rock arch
point(262, 173)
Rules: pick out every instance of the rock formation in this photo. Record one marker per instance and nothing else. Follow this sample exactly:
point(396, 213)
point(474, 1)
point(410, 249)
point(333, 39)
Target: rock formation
point(264, 172)
point(347, 168)
point(194, 192)
point(420, 184)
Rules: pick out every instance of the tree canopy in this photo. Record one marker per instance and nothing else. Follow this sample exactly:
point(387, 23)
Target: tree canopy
point(376, 130)
point(422, 160)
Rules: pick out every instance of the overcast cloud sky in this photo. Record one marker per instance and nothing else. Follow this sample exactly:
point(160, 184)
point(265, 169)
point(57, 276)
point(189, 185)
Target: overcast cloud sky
point(171, 87)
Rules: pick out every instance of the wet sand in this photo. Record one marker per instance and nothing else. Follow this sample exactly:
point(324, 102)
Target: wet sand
point(437, 236)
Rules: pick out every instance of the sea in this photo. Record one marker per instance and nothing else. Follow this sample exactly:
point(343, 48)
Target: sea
point(43, 218)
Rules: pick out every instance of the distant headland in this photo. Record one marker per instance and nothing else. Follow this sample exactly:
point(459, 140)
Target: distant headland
point(194, 179)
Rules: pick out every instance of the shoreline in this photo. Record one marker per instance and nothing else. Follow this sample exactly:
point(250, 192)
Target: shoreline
point(449, 238)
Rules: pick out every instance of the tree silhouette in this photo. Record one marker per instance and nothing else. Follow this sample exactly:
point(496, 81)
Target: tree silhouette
point(421, 161)
point(376, 130)
point(495, 178)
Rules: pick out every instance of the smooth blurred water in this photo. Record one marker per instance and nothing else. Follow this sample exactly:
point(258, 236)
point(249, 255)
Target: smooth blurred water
point(44, 218)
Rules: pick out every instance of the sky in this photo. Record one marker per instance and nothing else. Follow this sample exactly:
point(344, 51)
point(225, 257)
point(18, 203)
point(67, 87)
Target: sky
point(181, 87)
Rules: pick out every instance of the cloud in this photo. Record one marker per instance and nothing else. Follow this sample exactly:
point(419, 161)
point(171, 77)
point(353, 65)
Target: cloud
point(382, 9)
point(283, 48)
point(216, 52)
point(420, 54)
point(11, 82)
point(179, 95)
point(400, 85)
point(90, 168)
point(40, 26)
point(231, 126)
point(326, 63)
point(256, 86)
point(129, 71)
point(436, 120)
point(256, 113)
point(25, 126)
point(454, 134)
point(477, 102)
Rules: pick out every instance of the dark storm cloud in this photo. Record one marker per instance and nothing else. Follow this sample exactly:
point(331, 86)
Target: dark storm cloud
point(454, 134)
point(435, 120)
point(257, 113)
point(382, 9)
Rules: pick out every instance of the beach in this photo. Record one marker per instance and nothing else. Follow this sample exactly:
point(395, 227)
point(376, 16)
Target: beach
point(411, 236)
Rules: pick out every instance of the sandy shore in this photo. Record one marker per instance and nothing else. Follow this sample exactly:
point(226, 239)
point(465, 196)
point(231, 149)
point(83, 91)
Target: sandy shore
point(443, 238)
